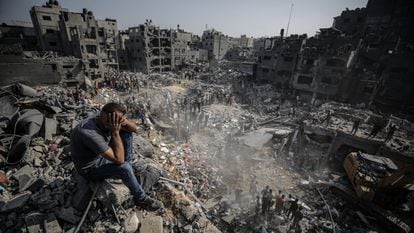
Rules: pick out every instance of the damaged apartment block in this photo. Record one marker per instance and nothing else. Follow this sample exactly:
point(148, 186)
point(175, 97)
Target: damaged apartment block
point(212, 133)
point(77, 34)
point(150, 48)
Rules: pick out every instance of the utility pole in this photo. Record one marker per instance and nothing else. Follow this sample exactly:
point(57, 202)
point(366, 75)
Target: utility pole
point(290, 15)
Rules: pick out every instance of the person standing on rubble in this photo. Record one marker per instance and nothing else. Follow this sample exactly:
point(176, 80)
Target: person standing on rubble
point(327, 118)
point(253, 186)
point(279, 202)
point(355, 126)
point(198, 102)
point(101, 148)
point(287, 201)
point(391, 132)
point(258, 205)
point(375, 130)
point(266, 199)
point(297, 216)
point(293, 208)
point(267, 202)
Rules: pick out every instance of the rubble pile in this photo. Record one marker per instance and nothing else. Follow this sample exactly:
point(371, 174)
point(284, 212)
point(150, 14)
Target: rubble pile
point(202, 151)
point(43, 185)
point(344, 115)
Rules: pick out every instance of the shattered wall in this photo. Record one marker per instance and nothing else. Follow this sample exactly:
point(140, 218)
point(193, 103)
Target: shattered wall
point(77, 34)
point(32, 72)
point(276, 64)
point(150, 48)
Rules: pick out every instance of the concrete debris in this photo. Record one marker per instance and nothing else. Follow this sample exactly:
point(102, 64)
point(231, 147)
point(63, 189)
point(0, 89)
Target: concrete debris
point(17, 201)
point(131, 223)
point(151, 224)
point(68, 215)
point(256, 139)
point(144, 147)
point(222, 149)
point(52, 225)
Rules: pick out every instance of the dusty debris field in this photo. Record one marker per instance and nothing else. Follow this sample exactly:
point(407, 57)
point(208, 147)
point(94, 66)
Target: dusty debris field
point(213, 148)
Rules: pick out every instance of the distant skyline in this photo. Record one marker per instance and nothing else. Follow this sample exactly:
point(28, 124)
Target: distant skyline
point(258, 18)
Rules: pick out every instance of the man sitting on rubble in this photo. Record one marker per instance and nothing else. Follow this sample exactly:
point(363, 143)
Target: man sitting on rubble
point(101, 148)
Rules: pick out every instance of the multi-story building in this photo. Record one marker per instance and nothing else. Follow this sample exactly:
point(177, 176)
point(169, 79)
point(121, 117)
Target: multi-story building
point(322, 65)
point(276, 61)
point(77, 34)
point(180, 47)
point(216, 43)
point(122, 50)
point(350, 22)
point(46, 23)
point(380, 65)
point(18, 33)
point(150, 48)
point(246, 42)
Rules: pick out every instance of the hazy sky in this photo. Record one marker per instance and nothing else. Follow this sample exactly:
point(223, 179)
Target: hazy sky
point(233, 17)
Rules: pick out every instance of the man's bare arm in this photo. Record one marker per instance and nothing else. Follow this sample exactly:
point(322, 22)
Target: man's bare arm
point(116, 152)
point(129, 125)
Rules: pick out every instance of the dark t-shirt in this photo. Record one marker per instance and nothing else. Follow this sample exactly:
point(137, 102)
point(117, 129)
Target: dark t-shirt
point(88, 141)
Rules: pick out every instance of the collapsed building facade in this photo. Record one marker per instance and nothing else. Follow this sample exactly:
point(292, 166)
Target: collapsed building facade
point(77, 34)
point(152, 49)
point(20, 34)
point(361, 49)
point(276, 62)
point(217, 44)
point(209, 143)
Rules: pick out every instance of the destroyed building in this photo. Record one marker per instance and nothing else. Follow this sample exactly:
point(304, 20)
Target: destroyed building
point(276, 62)
point(360, 46)
point(216, 43)
point(350, 21)
point(246, 42)
point(322, 65)
point(277, 135)
point(77, 34)
point(19, 33)
point(122, 52)
point(181, 46)
point(150, 48)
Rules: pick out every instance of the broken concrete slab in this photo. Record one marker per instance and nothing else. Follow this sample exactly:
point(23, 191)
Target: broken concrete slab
point(144, 147)
point(16, 202)
point(34, 228)
point(24, 181)
point(152, 224)
point(228, 219)
point(34, 218)
point(68, 215)
point(256, 139)
point(49, 128)
point(112, 193)
point(52, 225)
point(209, 227)
point(82, 194)
point(27, 170)
point(131, 223)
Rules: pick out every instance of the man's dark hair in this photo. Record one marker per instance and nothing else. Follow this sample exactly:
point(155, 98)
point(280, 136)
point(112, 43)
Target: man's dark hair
point(113, 107)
